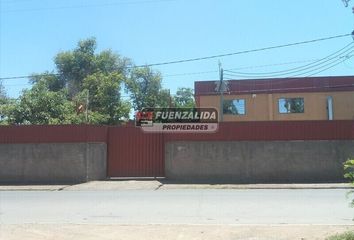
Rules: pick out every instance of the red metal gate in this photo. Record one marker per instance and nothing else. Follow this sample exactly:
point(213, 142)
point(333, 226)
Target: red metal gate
point(133, 153)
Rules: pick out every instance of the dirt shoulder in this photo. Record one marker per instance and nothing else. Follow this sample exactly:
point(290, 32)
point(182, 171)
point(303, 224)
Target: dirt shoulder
point(167, 232)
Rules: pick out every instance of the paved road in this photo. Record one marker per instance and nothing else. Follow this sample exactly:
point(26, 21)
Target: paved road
point(179, 206)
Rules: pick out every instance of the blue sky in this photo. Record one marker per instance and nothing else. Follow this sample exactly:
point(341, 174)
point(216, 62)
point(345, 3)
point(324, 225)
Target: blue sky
point(150, 31)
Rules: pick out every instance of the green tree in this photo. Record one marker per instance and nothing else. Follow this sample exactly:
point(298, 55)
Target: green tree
point(349, 170)
point(103, 91)
point(2, 91)
point(144, 86)
point(41, 106)
point(349, 174)
point(85, 89)
point(3, 102)
point(184, 98)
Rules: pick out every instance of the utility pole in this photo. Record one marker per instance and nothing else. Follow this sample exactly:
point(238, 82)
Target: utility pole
point(87, 105)
point(346, 4)
point(169, 98)
point(221, 91)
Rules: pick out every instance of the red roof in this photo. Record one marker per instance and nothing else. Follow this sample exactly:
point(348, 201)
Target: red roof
point(278, 85)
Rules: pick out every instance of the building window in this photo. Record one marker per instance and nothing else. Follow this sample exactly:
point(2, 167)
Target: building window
point(234, 106)
point(291, 105)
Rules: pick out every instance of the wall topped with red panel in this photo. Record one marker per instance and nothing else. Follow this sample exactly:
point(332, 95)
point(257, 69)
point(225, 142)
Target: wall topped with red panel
point(52, 134)
point(133, 153)
point(228, 131)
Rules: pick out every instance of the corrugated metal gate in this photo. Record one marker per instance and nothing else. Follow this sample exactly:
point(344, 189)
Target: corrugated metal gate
point(132, 153)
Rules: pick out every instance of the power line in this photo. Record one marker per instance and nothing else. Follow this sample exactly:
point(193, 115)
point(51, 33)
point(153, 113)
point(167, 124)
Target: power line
point(245, 51)
point(189, 73)
point(345, 59)
point(197, 73)
point(207, 57)
point(291, 79)
point(170, 75)
point(301, 71)
point(240, 68)
point(334, 55)
point(87, 6)
point(183, 74)
point(30, 76)
point(273, 65)
point(14, 85)
point(322, 68)
point(295, 78)
point(19, 98)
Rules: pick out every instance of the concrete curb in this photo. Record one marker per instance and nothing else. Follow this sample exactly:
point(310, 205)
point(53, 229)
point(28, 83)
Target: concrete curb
point(165, 185)
point(33, 187)
point(258, 186)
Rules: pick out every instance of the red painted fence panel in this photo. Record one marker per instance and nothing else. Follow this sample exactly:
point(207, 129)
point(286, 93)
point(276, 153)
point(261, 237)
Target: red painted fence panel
point(133, 153)
point(273, 131)
point(52, 134)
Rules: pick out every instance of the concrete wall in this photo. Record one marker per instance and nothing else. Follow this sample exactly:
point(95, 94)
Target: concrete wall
point(264, 107)
point(52, 162)
point(257, 161)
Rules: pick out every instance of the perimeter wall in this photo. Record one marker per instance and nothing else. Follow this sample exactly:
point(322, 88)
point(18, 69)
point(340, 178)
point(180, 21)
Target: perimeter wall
point(241, 152)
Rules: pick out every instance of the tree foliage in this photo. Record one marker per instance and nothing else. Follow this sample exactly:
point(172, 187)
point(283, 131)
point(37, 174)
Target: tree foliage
point(349, 174)
point(349, 170)
point(104, 97)
point(184, 98)
point(146, 90)
point(3, 102)
point(41, 106)
point(86, 89)
point(2, 92)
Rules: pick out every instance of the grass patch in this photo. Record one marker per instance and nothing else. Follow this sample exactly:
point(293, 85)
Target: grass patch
point(343, 236)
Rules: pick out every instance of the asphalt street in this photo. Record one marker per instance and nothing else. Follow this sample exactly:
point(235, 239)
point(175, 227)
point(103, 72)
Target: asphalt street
point(178, 206)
